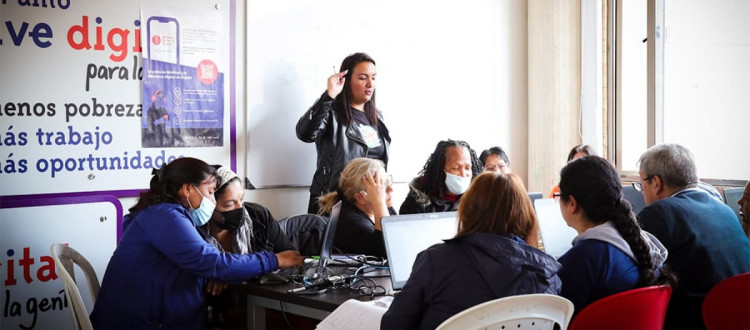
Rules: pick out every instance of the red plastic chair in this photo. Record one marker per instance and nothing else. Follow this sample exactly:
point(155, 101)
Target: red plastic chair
point(727, 304)
point(642, 308)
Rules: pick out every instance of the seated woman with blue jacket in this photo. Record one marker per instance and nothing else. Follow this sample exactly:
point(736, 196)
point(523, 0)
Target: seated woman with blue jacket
point(611, 253)
point(492, 256)
point(157, 275)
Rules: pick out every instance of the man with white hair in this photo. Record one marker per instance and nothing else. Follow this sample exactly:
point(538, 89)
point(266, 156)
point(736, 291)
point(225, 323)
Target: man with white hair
point(705, 241)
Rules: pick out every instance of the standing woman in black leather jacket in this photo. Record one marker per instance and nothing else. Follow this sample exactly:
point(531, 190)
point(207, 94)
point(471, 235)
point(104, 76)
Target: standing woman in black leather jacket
point(344, 124)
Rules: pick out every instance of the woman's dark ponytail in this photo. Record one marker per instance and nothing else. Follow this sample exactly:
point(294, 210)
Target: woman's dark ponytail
point(168, 180)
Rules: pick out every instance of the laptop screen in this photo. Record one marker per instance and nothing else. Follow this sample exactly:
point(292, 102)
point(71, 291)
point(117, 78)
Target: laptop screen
point(557, 236)
point(407, 235)
point(327, 245)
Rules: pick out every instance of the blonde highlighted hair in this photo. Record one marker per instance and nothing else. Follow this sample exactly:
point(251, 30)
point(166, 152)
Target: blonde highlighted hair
point(350, 182)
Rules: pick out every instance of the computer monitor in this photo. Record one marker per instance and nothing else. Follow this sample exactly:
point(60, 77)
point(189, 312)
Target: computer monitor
point(635, 197)
point(533, 196)
point(407, 235)
point(731, 196)
point(327, 244)
point(557, 236)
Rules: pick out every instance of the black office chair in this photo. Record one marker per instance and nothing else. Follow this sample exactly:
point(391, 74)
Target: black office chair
point(305, 232)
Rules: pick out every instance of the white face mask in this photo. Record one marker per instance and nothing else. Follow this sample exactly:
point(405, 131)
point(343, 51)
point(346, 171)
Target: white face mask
point(457, 185)
point(203, 213)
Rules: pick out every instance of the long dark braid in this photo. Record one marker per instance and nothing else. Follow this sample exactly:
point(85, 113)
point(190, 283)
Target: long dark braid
point(627, 225)
point(596, 186)
point(433, 177)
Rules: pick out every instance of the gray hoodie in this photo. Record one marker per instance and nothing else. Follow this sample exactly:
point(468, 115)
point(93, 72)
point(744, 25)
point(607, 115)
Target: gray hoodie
point(607, 232)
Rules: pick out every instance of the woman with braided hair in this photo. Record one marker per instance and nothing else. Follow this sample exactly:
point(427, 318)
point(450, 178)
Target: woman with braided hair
point(611, 253)
point(445, 177)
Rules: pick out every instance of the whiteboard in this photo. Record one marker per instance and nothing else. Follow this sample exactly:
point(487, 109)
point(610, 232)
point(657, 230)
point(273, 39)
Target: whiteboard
point(443, 72)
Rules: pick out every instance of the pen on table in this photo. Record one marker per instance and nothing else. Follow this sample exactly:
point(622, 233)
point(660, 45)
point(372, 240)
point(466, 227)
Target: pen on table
point(334, 70)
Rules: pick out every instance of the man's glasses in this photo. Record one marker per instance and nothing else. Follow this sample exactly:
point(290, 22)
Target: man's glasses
point(556, 197)
point(638, 186)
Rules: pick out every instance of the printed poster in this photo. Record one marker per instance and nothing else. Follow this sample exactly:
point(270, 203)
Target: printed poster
point(182, 79)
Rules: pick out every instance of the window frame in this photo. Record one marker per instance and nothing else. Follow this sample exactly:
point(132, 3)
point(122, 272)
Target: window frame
point(655, 86)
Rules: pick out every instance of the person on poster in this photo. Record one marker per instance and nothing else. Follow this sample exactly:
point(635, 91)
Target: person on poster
point(157, 117)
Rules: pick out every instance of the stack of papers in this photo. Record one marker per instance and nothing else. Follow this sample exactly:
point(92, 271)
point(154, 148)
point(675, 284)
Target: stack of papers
point(355, 314)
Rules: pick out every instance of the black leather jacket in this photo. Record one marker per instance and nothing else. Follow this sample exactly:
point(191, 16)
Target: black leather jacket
point(335, 142)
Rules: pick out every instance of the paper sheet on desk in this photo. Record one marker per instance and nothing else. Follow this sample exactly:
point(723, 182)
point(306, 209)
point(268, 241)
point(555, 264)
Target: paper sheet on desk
point(355, 314)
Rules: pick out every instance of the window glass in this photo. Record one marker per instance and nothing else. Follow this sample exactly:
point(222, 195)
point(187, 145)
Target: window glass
point(706, 84)
point(633, 106)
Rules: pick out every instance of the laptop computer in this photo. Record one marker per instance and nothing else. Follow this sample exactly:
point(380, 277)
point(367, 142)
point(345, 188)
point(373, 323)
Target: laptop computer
point(315, 266)
point(327, 245)
point(407, 235)
point(557, 236)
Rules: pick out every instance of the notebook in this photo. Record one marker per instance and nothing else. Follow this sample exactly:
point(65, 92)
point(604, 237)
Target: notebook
point(557, 236)
point(407, 235)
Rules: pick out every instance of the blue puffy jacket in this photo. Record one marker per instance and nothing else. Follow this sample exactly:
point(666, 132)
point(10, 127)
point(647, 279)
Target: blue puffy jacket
point(466, 271)
point(157, 275)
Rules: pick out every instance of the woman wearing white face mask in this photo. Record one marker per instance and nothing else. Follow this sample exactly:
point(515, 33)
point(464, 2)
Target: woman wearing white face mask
point(156, 277)
point(444, 178)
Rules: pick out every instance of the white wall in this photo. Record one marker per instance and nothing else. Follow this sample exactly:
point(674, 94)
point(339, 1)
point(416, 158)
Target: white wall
point(441, 90)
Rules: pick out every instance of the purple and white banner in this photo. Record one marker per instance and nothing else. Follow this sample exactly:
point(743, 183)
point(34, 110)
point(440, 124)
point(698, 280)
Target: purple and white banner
point(81, 112)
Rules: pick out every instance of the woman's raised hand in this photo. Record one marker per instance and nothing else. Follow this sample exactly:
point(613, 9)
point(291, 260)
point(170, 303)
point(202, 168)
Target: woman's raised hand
point(376, 194)
point(375, 187)
point(336, 83)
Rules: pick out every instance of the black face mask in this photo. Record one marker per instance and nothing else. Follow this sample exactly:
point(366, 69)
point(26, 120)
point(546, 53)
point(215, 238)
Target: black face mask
point(231, 220)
